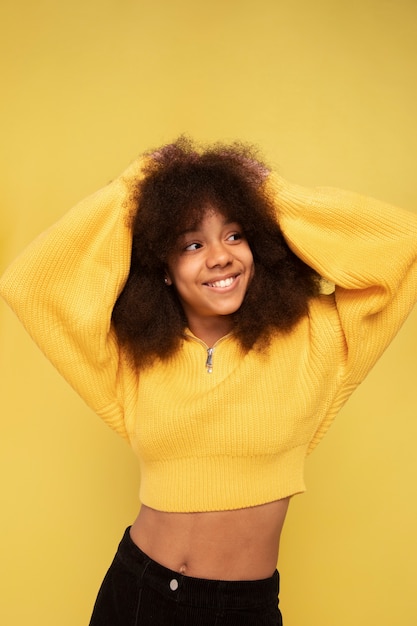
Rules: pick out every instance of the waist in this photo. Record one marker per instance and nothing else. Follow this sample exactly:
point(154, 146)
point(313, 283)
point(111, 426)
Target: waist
point(194, 590)
point(227, 545)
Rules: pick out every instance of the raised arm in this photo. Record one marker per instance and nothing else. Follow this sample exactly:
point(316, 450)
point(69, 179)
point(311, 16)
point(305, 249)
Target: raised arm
point(367, 249)
point(63, 288)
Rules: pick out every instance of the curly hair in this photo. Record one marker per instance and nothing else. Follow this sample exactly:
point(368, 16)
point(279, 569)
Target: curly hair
point(180, 180)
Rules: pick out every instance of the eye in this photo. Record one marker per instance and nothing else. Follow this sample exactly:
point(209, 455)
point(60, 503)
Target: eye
point(192, 246)
point(235, 236)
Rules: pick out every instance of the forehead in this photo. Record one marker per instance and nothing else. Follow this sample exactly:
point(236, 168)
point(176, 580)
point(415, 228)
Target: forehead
point(209, 215)
point(197, 219)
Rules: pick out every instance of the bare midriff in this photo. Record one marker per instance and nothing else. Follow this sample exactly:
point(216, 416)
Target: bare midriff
point(222, 545)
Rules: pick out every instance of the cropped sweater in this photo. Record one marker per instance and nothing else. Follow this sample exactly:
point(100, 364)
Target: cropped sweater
point(238, 436)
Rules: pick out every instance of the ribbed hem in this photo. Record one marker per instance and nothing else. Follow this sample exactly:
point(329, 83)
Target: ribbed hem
point(223, 482)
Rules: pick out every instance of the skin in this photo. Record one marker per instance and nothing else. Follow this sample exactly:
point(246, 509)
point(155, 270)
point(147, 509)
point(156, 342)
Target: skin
point(211, 270)
point(220, 545)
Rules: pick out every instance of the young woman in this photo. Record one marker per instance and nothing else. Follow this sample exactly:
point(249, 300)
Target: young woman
point(217, 317)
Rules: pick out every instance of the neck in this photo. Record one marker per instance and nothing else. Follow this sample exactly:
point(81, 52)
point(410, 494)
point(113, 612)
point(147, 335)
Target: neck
point(212, 330)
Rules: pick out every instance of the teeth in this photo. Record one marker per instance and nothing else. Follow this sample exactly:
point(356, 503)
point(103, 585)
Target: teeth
point(222, 283)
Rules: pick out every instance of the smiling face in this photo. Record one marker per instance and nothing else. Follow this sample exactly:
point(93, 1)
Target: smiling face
point(211, 271)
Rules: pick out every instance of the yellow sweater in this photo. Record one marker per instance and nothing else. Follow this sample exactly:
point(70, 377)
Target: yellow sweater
point(238, 436)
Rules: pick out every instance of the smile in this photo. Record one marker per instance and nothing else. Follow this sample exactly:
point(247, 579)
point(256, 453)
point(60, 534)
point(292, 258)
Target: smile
point(226, 282)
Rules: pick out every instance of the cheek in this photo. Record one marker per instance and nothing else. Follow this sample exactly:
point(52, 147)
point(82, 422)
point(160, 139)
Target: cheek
point(181, 274)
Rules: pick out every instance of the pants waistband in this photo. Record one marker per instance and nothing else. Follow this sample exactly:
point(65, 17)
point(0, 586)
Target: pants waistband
point(196, 591)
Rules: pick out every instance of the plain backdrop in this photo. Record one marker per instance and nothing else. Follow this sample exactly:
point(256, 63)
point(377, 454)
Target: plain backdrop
point(328, 91)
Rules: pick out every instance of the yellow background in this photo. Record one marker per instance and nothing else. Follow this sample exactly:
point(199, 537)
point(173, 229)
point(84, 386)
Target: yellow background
point(328, 90)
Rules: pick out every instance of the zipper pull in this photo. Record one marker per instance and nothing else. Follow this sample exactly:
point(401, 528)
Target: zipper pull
point(209, 361)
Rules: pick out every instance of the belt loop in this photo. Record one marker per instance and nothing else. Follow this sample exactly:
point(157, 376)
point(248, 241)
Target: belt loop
point(144, 568)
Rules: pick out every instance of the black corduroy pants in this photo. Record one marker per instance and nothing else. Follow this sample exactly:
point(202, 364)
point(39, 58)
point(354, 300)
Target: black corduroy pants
point(137, 591)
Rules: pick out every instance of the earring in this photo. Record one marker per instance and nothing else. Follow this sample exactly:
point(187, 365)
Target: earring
point(166, 281)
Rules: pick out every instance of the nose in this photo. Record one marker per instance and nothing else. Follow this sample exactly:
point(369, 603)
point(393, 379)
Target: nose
point(218, 255)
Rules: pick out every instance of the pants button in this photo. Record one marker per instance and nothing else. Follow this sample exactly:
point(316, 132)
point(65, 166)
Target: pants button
point(173, 585)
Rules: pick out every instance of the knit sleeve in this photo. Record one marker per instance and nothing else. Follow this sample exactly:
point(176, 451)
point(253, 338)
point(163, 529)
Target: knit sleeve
point(367, 249)
point(63, 288)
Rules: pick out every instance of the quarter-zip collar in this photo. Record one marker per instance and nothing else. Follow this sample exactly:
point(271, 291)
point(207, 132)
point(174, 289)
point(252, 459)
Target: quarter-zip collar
point(209, 350)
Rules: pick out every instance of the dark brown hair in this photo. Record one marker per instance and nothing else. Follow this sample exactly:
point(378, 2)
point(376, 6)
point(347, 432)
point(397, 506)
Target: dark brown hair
point(179, 181)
